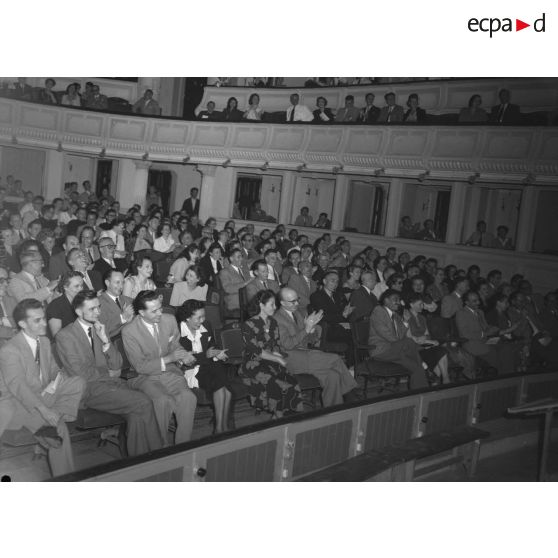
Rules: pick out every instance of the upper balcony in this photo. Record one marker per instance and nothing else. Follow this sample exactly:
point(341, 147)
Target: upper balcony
point(491, 153)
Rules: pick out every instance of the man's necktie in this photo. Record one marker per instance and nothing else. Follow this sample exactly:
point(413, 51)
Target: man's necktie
point(264, 284)
point(292, 114)
point(389, 114)
point(37, 284)
point(90, 335)
point(394, 320)
point(240, 273)
point(118, 303)
point(38, 361)
point(480, 239)
point(501, 113)
point(156, 335)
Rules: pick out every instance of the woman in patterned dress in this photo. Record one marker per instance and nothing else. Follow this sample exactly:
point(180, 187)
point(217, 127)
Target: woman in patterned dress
point(264, 368)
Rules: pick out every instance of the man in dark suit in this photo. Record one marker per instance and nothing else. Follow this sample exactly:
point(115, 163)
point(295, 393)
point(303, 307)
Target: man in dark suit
point(35, 393)
point(336, 312)
point(211, 263)
point(363, 300)
point(116, 309)
point(299, 333)
point(249, 255)
point(151, 341)
point(192, 204)
point(260, 281)
point(233, 278)
point(505, 112)
point(388, 336)
point(86, 351)
point(107, 260)
point(370, 113)
point(77, 261)
point(472, 325)
point(303, 284)
point(391, 112)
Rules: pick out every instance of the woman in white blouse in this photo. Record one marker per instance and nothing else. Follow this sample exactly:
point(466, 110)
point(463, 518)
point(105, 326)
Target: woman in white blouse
point(140, 243)
point(189, 289)
point(165, 242)
point(254, 111)
point(71, 98)
point(140, 280)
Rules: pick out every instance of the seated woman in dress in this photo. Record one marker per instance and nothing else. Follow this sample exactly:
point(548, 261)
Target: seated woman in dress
point(414, 114)
point(164, 243)
point(46, 95)
point(439, 288)
point(71, 98)
point(473, 112)
point(322, 113)
point(264, 370)
point(434, 356)
point(190, 288)
point(140, 278)
point(254, 111)
point(188, 257)
point(231, 112)
point(59, 312)
point(209, 373)
point(141, 243)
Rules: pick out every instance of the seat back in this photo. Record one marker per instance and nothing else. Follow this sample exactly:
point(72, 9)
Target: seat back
point(360, 330)
point(243, 301)
point(162, 269)
point(165, 292)
point(439, 328)
point(231, 339)
point(213, 316)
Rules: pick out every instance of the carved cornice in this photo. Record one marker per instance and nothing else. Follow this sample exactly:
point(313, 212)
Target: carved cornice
point(496, 153)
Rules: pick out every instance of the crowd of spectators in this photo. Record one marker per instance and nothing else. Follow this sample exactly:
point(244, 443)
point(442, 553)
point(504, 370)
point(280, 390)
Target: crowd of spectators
point(77, 274)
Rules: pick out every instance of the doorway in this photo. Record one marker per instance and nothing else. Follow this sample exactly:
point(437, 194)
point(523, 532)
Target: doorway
point(162, 180)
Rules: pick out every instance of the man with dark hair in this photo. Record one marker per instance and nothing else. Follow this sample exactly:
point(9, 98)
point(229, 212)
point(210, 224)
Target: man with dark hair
point(107, 260)
point(248, 252)
point(211, 263)
point(260, 281)
point(363, 299)
point(30, 281)
point(34, 230)
point(35, 393)
point(502, 241)
point(297, 112)
point(116, 309)
point(304, 219)
point(233, 278)
point(274, 266)
point(369, 114)
point(192, 204)
point(348, 113)
point(147, 104)
point(303, 284)
point(85, 350)
point(77, 261)
point(151, 341)
point(299, 333)
point(75, 224)
point(57, 264)
point(505, 112)
point(391, 112)
point(87, 195)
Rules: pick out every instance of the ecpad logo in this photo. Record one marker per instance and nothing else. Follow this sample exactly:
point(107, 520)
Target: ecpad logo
point(494, 24)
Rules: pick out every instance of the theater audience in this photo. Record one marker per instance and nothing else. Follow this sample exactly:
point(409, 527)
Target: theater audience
point(473, 113)
point(322, 114)
point(206, 371)
point(60, 312)
point(264, 370)
point(297, 112)
point(151, 342)
point(392, 112)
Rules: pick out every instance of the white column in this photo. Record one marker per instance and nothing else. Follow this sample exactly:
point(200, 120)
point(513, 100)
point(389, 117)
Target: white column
point(456, 212)
point(526, 221)
point(393, 213)
point(209, 196)
point(287, 195)
point(53, 175)
point(473, 212)
point(132, 183)
point(340, 202)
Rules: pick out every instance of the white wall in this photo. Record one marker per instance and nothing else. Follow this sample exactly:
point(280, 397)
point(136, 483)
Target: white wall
point(77, 169)
point(314, 193)
point(27, 165)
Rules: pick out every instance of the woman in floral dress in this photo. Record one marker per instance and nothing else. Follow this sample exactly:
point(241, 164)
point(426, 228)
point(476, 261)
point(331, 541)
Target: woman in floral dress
point(264, 368)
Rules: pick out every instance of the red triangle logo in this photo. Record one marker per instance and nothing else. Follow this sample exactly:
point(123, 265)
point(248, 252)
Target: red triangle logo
point(519, 25)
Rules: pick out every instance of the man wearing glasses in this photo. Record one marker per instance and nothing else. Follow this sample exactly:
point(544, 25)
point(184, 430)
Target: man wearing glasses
point(30, 281)
point(298, 334)
point(107, 261)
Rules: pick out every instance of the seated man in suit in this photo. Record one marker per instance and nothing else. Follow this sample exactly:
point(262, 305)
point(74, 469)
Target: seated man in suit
point(369, 114)
point(248, 252)
point(77, 261)
point(388, 336)
point(303, 284)
point(57, 265)
point(299, 333)
point(454, 301)
point(30, 281)
point(260, 282)
point(233, 278)
point(505, 112)
point(336, 312)
point(274, 265)
point(35, 393)
point(107, 260)
point(322, 267)
point(7, 305)
point(362, 299)
point(116, 310)
point(348, 113)
point(151, 341)
point(391, 112)
point(211, 263)
point(86, 351)
point(472, 325)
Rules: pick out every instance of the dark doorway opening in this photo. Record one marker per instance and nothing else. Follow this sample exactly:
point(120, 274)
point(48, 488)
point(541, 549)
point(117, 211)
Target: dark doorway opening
point(162, 180)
